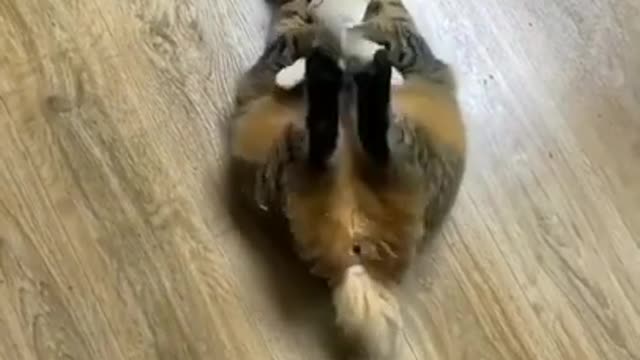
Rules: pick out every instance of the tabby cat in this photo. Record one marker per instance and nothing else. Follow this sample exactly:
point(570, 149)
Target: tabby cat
point(362, 172)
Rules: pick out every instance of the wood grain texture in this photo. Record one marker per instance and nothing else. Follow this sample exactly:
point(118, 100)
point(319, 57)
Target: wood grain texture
point(115, 242)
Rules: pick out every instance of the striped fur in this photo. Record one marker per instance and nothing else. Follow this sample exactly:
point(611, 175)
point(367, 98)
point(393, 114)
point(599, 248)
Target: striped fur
point(384, 175)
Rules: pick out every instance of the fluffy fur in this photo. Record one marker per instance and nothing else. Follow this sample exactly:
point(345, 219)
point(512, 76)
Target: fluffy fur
point(362, 173)
point(337, 32)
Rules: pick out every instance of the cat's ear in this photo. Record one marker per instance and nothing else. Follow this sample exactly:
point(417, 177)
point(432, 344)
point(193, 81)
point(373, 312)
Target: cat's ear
point(323, 82)
point(374, 94)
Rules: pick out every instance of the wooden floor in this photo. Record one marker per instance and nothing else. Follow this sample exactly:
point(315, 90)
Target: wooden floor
point(115, 242)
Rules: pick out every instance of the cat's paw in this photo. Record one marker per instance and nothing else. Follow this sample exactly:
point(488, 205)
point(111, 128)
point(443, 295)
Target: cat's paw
point(356, 47)
point(396, 77)
point(374, 94)
point(323, 82)
point(292, 75)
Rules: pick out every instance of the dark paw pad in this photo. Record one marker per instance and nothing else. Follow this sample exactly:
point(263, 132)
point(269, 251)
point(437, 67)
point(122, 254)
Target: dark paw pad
point(374, 94)
point(323, 84)
point(322, 70)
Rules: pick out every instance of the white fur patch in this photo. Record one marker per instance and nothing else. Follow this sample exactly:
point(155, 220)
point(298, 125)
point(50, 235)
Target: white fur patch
point(369, 312)
point(396, 77)
point(292, 75)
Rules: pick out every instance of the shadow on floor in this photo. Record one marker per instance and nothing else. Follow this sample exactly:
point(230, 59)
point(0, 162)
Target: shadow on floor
point(302, 298)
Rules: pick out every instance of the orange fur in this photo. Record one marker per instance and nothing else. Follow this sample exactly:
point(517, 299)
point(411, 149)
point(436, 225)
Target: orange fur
point(383, 212)
point(355, 203)
point(359, 224)
point(335, 210)
point(263, 125)
point(330, 213)
point(433, 108)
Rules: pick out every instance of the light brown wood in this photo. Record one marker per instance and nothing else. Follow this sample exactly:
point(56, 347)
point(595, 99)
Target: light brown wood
point(115, 242)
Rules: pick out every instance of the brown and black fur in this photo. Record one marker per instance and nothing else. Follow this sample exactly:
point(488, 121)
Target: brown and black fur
point(363, 173)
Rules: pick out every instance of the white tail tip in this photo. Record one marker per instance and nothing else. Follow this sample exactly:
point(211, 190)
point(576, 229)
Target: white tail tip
point(368, 312)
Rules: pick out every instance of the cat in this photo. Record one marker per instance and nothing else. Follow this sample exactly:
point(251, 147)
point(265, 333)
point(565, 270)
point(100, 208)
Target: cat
point(337, 23)
point(362, 172)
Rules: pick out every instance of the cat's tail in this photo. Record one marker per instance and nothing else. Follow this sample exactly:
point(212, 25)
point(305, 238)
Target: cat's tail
point(368, 313)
